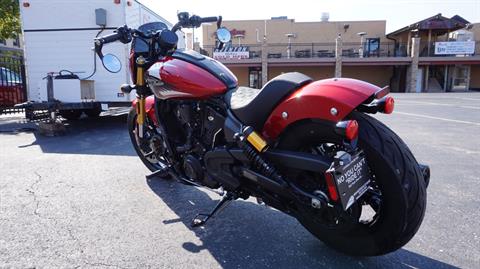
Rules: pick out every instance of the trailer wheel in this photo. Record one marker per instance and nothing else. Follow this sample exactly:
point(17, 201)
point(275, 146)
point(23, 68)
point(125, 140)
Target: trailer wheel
point(93, 112)
point(71, 114)
point(29, 114)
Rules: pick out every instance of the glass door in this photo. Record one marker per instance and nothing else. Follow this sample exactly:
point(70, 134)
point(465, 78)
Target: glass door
point(255, 77)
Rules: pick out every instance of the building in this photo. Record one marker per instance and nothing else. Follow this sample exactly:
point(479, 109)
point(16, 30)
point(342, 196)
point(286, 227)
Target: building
point(12, 44)
point(263, 49)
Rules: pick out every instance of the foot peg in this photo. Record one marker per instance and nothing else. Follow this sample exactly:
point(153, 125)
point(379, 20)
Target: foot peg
point(201, 218)
point(161, 173)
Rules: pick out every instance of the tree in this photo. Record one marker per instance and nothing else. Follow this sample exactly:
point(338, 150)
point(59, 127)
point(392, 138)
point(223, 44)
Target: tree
point(9, 19)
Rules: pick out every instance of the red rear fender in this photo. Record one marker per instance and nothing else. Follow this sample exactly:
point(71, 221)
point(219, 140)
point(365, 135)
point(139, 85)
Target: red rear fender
point(329, 99)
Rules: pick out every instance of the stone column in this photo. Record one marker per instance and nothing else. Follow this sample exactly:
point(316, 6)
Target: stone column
point(264, 63)
point(409, 42)
point(196, 47)
point(338, 56)
point(412, 74)
point(426, 76)
point(467, 79)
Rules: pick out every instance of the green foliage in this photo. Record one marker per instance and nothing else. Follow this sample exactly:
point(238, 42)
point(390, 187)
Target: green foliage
point(9, 19)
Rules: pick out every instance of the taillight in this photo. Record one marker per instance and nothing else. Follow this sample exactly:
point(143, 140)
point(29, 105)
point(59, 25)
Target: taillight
point(352, 130)
point(389, 105)
point(332, 189)
point(348, 129)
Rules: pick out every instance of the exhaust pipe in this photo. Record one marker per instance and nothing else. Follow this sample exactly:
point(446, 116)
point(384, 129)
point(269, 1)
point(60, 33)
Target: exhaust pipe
point(288, 191)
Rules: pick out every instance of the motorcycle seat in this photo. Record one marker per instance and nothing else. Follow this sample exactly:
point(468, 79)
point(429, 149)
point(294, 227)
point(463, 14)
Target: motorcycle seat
point(253, 106)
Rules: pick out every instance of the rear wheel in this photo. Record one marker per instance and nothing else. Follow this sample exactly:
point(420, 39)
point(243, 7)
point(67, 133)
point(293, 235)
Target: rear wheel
point(150, 148)
point(388, 215)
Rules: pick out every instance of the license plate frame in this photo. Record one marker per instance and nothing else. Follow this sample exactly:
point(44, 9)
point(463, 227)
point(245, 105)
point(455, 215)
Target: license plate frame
point(351, 176)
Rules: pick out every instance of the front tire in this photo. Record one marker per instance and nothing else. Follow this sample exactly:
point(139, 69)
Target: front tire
point(153, 163)
point(397, 175)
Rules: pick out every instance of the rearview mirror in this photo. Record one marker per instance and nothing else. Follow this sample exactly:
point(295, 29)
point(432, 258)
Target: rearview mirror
point(223, 35)
point(111, 63)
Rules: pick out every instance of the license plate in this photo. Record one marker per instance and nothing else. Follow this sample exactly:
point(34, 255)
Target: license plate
point(351, 177)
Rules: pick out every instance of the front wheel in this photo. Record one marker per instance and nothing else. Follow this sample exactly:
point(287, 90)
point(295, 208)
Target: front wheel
point(150, 148)
point(389, 214)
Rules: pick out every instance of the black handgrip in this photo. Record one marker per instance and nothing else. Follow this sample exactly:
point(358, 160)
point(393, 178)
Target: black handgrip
point(209, 19)
point(110, 38)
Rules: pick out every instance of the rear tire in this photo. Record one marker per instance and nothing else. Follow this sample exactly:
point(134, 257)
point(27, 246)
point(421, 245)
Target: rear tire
point(397, 175)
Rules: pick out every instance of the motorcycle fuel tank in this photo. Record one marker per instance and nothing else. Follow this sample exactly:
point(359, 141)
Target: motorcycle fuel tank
point(189, 75)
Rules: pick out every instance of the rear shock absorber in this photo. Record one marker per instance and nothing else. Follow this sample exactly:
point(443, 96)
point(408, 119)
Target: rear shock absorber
point(247, 141)
point(252, 145)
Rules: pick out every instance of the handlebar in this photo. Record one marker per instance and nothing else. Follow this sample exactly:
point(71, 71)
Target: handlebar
point(109, 38)
point(194, 21)
point(124, 34)
point(209, 19)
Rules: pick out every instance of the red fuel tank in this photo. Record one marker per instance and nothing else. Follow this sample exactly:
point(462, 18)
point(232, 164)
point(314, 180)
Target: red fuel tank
point(176, 78)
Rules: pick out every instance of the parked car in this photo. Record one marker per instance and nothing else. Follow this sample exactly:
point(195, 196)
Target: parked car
point(11, 89)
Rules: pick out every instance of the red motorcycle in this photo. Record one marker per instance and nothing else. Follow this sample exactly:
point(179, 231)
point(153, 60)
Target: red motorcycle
point(307, 148)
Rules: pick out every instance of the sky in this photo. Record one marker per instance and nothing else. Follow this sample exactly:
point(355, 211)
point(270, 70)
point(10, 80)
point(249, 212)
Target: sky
point(397, 13)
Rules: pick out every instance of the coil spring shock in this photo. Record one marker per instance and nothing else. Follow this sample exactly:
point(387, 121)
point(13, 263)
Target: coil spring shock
point(259, 162)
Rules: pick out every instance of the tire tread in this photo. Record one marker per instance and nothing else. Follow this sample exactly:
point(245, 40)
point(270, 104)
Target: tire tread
point(394, 149)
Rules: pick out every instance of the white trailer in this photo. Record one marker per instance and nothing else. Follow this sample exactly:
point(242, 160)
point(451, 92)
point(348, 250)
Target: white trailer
point(58, 35)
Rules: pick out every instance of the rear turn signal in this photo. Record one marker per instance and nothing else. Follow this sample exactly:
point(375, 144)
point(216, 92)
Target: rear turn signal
point(332, 189)
point(389, 105)
point(347, 129)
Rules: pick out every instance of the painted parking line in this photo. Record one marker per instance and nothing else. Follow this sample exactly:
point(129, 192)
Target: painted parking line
point(459, 149)
point(437, 104)
point(419, 96)
point(469, 99)
point(437, 118)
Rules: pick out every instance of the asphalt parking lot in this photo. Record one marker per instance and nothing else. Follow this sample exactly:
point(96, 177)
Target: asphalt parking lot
point(82, 201)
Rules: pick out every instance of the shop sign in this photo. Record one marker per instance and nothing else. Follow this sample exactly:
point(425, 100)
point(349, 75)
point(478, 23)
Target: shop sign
point(454, 47)
point(226, 55)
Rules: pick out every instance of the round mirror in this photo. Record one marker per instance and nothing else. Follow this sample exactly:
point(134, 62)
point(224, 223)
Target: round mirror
point(223, 35)
point(111, 63)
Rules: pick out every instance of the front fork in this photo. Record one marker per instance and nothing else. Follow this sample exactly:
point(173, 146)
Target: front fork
point(141, 95)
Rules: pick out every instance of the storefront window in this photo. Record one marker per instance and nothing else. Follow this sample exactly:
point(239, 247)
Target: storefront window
point(255, 77)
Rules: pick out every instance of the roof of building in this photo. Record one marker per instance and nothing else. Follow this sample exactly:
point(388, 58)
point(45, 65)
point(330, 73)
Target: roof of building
point(437, 23)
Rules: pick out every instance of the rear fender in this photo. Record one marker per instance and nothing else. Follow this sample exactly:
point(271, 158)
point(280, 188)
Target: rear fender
point(149, 108)
point(328, 99)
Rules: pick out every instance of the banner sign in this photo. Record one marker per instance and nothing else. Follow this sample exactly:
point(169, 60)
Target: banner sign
point(454, 47)
point(226, 55)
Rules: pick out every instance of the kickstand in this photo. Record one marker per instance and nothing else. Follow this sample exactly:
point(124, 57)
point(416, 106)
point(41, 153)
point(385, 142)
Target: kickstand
point(201, 218)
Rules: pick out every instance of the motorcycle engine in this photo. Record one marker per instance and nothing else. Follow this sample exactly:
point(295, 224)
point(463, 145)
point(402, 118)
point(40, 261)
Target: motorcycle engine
point(202, 126)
